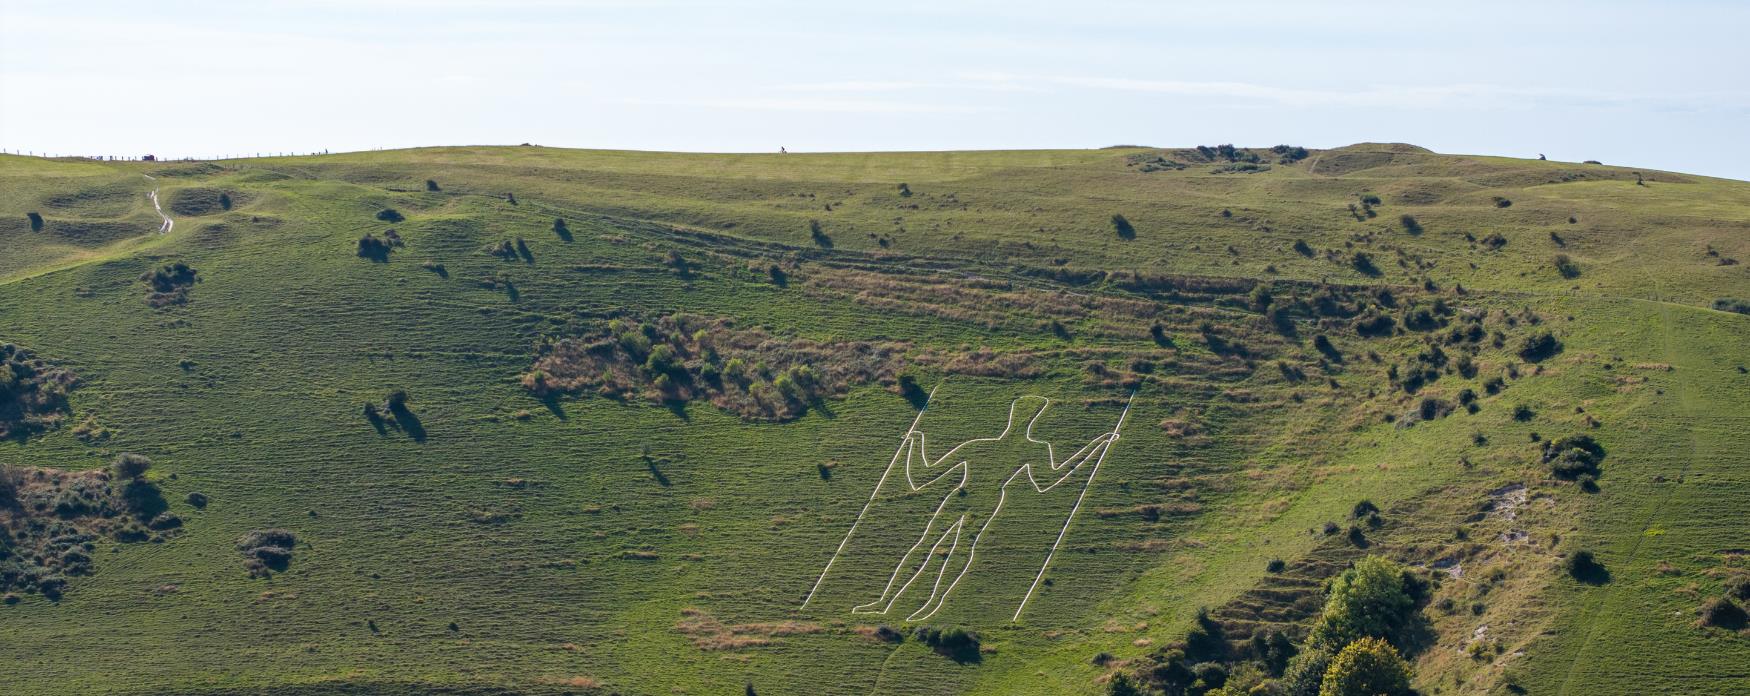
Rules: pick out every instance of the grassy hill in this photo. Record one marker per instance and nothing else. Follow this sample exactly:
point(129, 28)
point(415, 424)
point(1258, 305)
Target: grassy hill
point(648, 394)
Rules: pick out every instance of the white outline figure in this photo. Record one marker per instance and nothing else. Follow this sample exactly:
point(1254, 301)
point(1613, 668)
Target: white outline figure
point(914, 449)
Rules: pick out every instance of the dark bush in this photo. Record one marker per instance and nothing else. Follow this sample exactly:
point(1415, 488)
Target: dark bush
point(560, 229)
point(1566, 266)
point(1410, 224)
point(1363, 509)
point(390, 215)
point(1495, 241)
point(904, 190)
point(1720, 612)
point(1502, 202)
point(225, 200)
point(954, 643)
point(36, 221)
point(431, 185)
point(1539, 347)
point(1363, 262)
point(1582, 566)
point(375, 249)
point(197, 499)
point(1375, 324)
point(266, 550)
point(170, 279)
point(1300, 247)
point(128, 466)
point(1573, 456)
point(1728, 304)
point(1739, 587)
point(818, 235)
point(1123, 228)
point(1276, 565)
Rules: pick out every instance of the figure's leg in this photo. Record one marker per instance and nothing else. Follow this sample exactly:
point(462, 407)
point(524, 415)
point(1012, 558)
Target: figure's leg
point(894, 588)
point(954, 565)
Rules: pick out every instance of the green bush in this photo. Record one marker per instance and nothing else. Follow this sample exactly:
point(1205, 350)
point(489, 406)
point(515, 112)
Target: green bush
point(128, 466)
point(1366, 667)
point(1728, 304)
point(390, 215)
point(1566, 266)
point(1367, 601)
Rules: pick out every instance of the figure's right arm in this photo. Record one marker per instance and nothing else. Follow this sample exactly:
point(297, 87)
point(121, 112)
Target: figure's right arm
point(918, 463)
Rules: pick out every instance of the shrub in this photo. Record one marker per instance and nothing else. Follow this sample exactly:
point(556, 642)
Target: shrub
point(560, 229)
point(266, 550)
point(1123, 228)
point(197, 499)
point(904, 190)
point(390, 215)
point(36, 221)
point(1723, 613)
point(955, 643)
point(1367, 600)
point(1502, 202)
point(1276, 565)
point(818, 235)
point(1363, 262)
point(431, 185)
point(1728, 304)
point(1739, 587)
point(1300, 247)
point(370, 247)
point(1583, 566)
point(1539, 347)
point(1366, 667)
point(1363, 509)
point(128, 466)
point(225, 200)
point(1574, 456)
point(1566, 266)
point(1410, 224)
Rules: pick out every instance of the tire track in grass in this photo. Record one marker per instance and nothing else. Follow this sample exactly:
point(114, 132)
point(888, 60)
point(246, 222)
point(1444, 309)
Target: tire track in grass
point(1685, 411)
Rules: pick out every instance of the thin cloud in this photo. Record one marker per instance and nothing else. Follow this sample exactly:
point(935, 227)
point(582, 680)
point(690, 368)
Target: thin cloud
point(805, 104)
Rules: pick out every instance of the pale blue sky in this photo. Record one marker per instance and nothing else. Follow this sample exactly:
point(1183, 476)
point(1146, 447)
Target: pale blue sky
point(1648, 83)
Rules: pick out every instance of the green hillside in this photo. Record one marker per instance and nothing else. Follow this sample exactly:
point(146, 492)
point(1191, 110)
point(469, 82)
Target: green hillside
point(572, 421)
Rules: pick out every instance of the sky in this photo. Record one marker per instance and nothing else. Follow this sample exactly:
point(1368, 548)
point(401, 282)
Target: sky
point(1660, 85)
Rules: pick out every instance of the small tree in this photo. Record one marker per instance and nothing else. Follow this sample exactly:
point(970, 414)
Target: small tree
point(225, 201)
point(36, 221)
point(1367, 667)
point(1366, 601)
point(130, 466)
point(431, 185)
point(390, 215)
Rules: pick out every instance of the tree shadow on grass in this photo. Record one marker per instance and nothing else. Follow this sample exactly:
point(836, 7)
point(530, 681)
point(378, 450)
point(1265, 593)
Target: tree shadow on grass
point(409, 423)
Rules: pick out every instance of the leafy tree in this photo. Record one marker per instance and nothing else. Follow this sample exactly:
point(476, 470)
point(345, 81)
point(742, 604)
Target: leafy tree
point(1366, 601)
point(1367, 667)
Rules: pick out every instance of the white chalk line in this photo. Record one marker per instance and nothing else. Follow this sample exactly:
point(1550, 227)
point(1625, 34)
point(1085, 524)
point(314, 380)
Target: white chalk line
point(938, 595)
point(902, 448)
point(1078, 506)
point(168, 223)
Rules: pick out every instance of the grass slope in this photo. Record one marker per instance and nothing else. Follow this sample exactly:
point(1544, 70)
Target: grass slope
point(588, 542)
